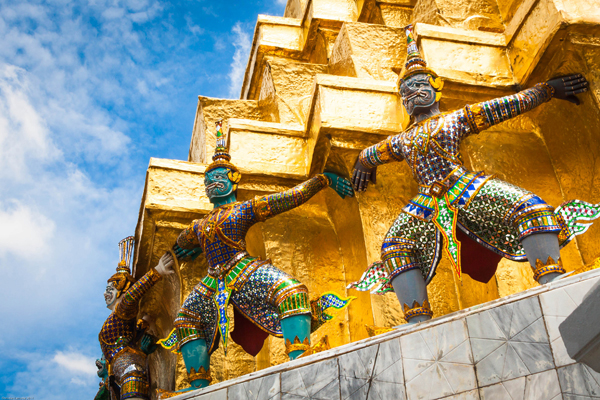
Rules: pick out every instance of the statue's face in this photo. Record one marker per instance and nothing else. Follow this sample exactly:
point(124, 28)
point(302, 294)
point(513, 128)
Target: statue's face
point(110, 294)
point(418, 96)
point(102, 370)
point(217, 184)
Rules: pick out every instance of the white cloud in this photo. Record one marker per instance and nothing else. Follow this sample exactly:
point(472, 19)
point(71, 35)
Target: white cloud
point(242, 45)
point(85, 91)
point(60, 375)
point(281, 2)
point(23, 132)
point(18, 222)
point(76, 363)
point(195, 29)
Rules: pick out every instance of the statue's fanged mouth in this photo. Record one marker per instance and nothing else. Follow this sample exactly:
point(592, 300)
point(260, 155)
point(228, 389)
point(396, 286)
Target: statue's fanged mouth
point(211, 188)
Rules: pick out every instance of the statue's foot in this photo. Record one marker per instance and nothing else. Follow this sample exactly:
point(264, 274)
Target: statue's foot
point(167, 394)
point(414, 320)
point(419, 318)
point(553, 277)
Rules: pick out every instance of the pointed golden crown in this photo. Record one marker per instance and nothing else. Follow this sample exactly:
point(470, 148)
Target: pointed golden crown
point(222, 157)
point(125, 250)
point(122, 277)
point(415, 64)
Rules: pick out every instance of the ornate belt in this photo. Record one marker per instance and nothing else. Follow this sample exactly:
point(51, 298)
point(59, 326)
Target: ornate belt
point(219, 271)
point(437, 189)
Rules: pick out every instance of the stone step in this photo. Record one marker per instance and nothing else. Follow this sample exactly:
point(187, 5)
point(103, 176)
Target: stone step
point(509, 348)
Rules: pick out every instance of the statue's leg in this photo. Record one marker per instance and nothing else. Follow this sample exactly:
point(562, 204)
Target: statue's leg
point(130, 371)
point(410, 288)
point(542, 250)
point(513, 221)
point(196, 312)
point(291, 299)
point(296, 327)
point(197, 362)
point(409, 247)
point(538, 232)
point(276, 302)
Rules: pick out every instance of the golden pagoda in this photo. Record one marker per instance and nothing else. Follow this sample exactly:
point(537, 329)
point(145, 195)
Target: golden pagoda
point(321, 85)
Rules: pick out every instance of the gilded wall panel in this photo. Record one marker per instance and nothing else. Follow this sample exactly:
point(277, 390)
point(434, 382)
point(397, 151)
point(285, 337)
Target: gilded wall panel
point(481, 15)
point(368, 51)
point(211, 110)
point(292, 88)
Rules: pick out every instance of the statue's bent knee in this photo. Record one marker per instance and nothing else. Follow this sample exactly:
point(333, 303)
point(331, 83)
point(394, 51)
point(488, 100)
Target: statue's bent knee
point(538, 230)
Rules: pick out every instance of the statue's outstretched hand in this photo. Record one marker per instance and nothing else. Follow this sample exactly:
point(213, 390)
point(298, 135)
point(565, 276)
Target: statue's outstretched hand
point(183, 254)
point(566, 87)
point(165, 265)
point(361, 176)
point(341, 185)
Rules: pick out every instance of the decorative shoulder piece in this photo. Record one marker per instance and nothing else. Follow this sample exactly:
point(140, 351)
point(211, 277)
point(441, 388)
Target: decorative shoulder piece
point(297, 345)
point(261, 207)
point(549, 267)
point(574, 218)
point(376, 278)
point(170, 342)
point(417, 309)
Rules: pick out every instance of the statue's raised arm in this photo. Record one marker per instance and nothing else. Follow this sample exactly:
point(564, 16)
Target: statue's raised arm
point(421, 91)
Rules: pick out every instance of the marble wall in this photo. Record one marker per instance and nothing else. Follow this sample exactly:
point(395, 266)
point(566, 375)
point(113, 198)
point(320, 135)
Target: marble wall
point(505, 349)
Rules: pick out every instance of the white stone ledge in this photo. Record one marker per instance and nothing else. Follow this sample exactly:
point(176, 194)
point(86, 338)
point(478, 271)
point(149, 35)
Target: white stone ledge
point(457, 339)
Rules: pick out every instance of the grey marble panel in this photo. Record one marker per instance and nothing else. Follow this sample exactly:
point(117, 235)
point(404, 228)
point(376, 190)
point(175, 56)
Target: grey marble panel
point(509, 341)
point(557, 304)
point(265, 388)
point(579, 381)
point(438, 362)
point(315, 381)
point(373, 373)
point(540, 386)
point(218, 395)
point(470, 395)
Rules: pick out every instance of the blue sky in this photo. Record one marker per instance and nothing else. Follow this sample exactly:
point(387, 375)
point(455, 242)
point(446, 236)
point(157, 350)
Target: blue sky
point(89, 91)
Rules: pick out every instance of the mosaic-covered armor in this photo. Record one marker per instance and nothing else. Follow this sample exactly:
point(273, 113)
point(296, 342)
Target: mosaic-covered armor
point(258, 290)
point(431, 150)
point(488, 211)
